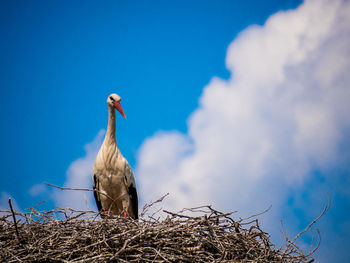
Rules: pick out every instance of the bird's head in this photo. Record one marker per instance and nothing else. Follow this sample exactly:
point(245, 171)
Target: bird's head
point(113, 100)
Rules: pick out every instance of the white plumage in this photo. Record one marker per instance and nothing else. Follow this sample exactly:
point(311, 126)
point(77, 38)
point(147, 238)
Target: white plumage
point(113, 179)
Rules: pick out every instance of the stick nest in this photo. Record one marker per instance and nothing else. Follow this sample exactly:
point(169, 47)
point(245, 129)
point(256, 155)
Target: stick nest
point(199, 234)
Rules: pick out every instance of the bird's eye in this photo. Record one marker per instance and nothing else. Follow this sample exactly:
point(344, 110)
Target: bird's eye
point(111, 98)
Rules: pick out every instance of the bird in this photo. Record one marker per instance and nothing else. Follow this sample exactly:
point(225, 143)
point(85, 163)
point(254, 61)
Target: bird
point(112, 177)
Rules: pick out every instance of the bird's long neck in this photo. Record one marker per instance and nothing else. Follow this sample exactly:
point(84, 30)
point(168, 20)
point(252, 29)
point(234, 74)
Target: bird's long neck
point(110, 134)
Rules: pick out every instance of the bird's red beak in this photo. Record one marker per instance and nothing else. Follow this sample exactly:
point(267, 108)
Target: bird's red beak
point(119, 108)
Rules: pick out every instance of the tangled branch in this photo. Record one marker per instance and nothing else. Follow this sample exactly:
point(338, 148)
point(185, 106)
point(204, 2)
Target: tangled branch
point(200, 234)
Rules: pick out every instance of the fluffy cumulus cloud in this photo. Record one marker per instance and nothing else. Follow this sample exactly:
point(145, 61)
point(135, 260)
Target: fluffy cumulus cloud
point(79, 176)
point(282, 115)
point(38, 190)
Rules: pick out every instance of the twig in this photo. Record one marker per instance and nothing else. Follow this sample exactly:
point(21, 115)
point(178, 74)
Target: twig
point(317, 246)
point(86, 202)
point(314, 221)
point(146, 206)
point(80, 189)
point(255, 215)
point(14, 221)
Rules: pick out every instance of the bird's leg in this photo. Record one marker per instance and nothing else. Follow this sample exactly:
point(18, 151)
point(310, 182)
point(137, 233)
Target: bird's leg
point(108, 211)
point(125, 205)
point(124, 213)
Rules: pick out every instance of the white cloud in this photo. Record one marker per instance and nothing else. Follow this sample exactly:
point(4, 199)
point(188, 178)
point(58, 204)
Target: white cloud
point(282, 114)
point(37, 189)
point(79, 176)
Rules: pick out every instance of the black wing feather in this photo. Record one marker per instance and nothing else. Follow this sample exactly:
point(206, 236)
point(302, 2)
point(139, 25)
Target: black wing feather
point(98, 202)
point(134, 200)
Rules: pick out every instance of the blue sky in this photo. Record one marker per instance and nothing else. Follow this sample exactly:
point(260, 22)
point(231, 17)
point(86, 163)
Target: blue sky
point(243, 98)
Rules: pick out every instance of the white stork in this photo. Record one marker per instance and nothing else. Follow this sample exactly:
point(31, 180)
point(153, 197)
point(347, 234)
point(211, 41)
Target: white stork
point(113, 179)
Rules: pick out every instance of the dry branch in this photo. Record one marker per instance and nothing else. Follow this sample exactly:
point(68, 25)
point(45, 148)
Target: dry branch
point(14, 220)
point(200, 234)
